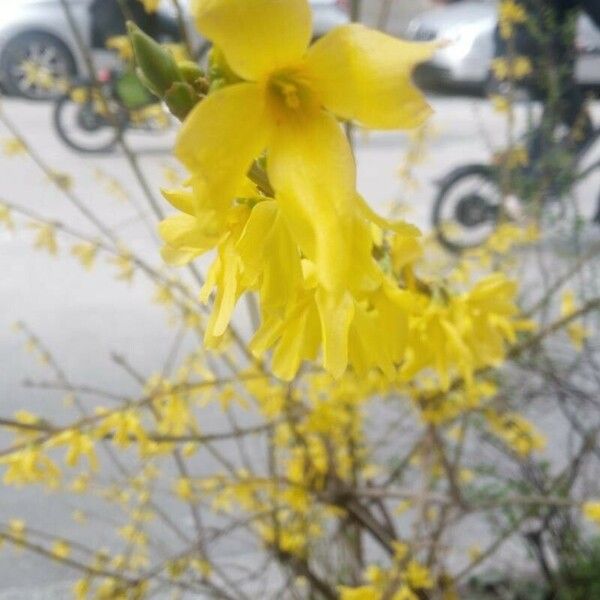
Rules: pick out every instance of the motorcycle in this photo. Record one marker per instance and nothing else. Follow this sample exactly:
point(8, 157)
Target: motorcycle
point(92, 116)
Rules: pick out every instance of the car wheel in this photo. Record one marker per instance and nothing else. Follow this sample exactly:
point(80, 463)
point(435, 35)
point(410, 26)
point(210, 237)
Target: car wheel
point(37, 66)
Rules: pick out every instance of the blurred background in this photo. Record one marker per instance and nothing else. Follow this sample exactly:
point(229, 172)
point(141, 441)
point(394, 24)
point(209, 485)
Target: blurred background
point(57, 157)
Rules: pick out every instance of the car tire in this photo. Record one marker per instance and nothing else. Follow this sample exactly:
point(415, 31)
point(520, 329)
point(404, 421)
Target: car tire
point(49, 52)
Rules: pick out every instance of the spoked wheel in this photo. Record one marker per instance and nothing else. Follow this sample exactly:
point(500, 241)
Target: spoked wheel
point(467, 208)
point(37, 66)
point(82, 127)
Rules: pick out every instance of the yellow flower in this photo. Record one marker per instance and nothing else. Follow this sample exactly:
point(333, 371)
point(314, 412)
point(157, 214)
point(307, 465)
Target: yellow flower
point(417, 576)
point(308, 252)
point(511, 13)
point(277, 105)
point(512, 69)
point(405, 593)
point(518, 433)
point(151, 6)
point(366, 592)
point(121, 45)
point(81, 589)
point(6, 216)
point(499, 103)
point(61, 549)
point(45, 238)
point(13, 147)
point(85, 253)
point(591, 511)
point(17, 528)
point(576, 331)
point(456, 335)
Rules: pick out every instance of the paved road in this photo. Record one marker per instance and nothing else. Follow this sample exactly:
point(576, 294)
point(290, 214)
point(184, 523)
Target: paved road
point(84, 318)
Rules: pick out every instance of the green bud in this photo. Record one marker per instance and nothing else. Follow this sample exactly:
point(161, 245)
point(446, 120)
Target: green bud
point(190, 71)
point(195, 76)
point(157, 64)
point(181, 99)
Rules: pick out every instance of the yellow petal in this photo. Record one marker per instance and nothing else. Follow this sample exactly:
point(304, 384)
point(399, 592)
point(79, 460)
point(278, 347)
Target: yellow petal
point(220, 139)
point(401, 227)
point(311, 167)
point(251, 244)
point(267, 250)
point(365, 75)
point(257, 37)
point(225, 276)
point(186, 232)
point(336, 316)
point(177, 257)
point(182, 199)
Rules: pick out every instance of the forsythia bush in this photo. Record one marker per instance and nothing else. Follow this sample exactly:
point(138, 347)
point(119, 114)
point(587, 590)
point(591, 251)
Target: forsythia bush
point(370, 372)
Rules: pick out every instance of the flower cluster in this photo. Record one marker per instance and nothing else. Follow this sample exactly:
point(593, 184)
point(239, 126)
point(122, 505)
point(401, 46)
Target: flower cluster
point(272, 189)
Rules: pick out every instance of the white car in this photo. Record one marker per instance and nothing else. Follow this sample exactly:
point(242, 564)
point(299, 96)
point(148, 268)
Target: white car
point(468, 28)
point(35, 37)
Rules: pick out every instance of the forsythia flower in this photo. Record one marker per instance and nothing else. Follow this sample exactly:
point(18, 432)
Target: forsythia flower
point(511, 13)
point(518, 433)
point(576, 331)
point(151, 6)
point(13, 147)
point(591, 511)
point(45, 238)
point(85, 254)
point(367, 592)
point(308, 251)
point(121, 45)
point(6, 217)
point(461, 334)
point(513, 69)
point(60, 549)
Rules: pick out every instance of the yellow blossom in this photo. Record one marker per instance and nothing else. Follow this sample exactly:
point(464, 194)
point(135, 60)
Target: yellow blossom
point(404, 593)
point(45, 237)
point(367, 592)
point(17, 528)
point(61, 549)
point(184, 489)
point(81, 589)
point(518, 433)
point(6, 216)
point(283, 98)
point(29, 466)
point(13, 147)
point(591, 511)
point(125, 265)
point(417, 576)
point(85, 253)
point(151, 6)
point(576, 331)
point(122, 45)
point(511, 13)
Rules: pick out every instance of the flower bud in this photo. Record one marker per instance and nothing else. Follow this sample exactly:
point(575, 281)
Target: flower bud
point(194, 75)
point(181, 98)
point(156, 64)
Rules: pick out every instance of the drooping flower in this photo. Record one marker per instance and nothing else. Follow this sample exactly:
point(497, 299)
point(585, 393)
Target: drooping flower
point(286, 101)
point(307, 251)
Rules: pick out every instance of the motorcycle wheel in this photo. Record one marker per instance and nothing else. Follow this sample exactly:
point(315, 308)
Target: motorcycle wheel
point(82, 128)
point(467, 208)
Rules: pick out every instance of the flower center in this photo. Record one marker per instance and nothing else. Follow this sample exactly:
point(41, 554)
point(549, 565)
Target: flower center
point(290, 93)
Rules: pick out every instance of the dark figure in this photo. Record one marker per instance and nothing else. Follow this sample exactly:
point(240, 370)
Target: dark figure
point(109, 16)
point(548, 40)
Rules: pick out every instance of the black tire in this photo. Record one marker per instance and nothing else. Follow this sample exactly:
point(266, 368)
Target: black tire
point(44, 50)
point(110, 133)
point(484, 200)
